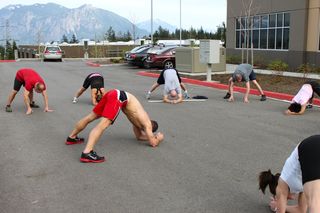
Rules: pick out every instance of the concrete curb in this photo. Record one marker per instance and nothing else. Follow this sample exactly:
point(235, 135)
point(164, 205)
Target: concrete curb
point(91, 64)
point(269, 94)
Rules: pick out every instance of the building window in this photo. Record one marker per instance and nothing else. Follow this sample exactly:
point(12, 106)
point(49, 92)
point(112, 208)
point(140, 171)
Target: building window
point(270, 31)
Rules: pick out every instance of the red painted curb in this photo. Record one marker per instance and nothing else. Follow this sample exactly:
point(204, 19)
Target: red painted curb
point(4, 61)
point(281, 96)
point(91, 64)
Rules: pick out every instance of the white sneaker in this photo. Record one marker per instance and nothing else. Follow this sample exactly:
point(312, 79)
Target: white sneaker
point(148, 95)
point(75, 100)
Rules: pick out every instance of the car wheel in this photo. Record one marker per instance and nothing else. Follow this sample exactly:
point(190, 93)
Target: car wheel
point(168, 64)
point(146, 64)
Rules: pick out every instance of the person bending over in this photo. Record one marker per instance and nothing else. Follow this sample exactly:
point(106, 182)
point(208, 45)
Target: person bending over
point(31, 80)
point(304, 98)
point(96, 81)
point(161, 81)
point(300, 175)
point(244, 73)
point(172, 89)
point(108, 109)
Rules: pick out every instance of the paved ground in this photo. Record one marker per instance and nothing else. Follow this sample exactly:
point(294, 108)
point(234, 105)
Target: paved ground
point(208, 162)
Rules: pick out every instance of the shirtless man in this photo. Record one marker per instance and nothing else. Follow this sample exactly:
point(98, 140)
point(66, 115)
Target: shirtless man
point(108, 109)
point(30, 79)
point(96, 81)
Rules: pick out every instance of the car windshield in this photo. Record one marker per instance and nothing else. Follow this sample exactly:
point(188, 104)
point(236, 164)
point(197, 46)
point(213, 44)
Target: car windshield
point(53, 48)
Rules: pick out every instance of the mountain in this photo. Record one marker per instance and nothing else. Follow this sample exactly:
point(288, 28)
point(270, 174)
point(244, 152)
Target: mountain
point(146, 25)
point(49, 22)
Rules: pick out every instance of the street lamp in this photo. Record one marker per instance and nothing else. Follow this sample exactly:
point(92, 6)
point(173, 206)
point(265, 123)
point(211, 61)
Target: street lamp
point(180, 23)
point(151, 21)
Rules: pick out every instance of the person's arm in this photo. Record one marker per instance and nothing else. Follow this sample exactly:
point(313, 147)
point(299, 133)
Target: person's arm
point(282, 192)
point(231, 84)
point(167, 100)
point(94, 97)
point(179, 100)
point(153, 87)
point(246, 96)
point(46, 102)
point(183, 86)
point(27, 101)
point(301, 207)
point(154, 139)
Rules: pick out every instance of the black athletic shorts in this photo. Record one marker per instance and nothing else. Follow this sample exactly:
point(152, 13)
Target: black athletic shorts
point(17, 84)
point(160, 80)
point(315, 86)
point(252, 76)
point(309, 157)
point(95, 82)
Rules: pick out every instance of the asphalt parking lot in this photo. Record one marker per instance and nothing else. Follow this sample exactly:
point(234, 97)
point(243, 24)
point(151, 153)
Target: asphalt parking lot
point(208, 162)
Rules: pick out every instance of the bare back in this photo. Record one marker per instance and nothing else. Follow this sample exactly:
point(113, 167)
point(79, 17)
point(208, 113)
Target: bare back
point(136, 114)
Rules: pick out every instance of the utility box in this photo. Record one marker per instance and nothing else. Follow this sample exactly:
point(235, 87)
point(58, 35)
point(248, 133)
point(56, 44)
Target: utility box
point(210, 51)
point(187, 60)
point(221, 66)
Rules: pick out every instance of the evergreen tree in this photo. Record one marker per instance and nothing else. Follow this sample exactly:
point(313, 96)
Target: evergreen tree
point(110, 35)
point(74, 39)
point(64, 39)
point(9, 51)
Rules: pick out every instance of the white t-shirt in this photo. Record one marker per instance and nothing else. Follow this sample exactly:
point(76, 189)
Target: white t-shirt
point(304, 94)
point(171, 82)
point(291, 172)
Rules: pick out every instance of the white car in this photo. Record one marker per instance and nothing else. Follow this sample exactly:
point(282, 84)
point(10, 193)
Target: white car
point(52, 52)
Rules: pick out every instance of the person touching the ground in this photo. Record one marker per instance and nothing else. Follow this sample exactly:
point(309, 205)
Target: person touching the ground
point(304, 98)
point(172, 89)
point(108, 109)
point(96, 82)
point(300, 175)
point(161, 81)
point(31, 80)
point(243, 73)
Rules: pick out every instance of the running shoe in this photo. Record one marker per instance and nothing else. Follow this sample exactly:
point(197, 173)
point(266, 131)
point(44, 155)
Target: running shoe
point(263, 98)
point(228, 95)
point(34, 105)
point(91, 157)
point(75, 100)
point(76, 140)
point(148, 95)
point(309, 106)
point(8, 108)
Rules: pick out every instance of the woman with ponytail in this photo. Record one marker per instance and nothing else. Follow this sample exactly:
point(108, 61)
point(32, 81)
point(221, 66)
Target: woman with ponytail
point(96, 81)
point(300, 176)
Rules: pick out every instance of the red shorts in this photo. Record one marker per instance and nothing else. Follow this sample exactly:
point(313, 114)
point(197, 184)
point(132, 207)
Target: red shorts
point(111, 104)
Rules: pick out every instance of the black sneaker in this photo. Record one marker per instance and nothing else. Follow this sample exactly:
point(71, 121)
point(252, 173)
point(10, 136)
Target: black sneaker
point(91, 157)
point(309, 106)
point(8, 108)
point(76, 140)
point(228, 95)
point(34, 105)
point(263, 98)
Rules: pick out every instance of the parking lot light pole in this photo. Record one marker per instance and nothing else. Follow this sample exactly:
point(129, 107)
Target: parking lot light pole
point(152, 22)
point(180, 23)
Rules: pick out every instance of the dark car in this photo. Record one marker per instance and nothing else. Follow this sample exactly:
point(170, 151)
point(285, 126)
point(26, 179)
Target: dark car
point(163, 58)
point(137, 58)
point(127, 54)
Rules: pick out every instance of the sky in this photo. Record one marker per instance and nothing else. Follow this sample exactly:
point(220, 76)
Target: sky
point(196, 13)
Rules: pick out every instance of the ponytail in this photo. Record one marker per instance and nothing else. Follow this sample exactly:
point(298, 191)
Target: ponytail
point(267, 178)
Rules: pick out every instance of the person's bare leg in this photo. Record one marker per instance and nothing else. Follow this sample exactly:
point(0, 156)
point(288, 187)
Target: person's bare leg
point(82, 124)
point(258, 86)
point(11, 97)
point(96, 133)
point(31, 96)
point(312, 192)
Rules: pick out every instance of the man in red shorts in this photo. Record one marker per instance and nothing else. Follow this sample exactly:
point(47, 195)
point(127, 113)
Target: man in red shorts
point(30, 79)
point(108, 109)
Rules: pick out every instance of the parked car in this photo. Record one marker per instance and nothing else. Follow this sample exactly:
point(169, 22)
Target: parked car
point(52, 52)
point(127, 53)
point(137, 58)
point(163, 58)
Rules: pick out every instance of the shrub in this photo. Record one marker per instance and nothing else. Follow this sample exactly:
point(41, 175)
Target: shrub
point(278, 65)
point(308, 68)
point(233, 59)
point(258, 61)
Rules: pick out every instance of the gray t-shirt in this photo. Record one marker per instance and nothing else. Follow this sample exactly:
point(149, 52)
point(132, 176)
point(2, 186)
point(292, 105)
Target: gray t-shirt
point(244, 70)
point(171, 82)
